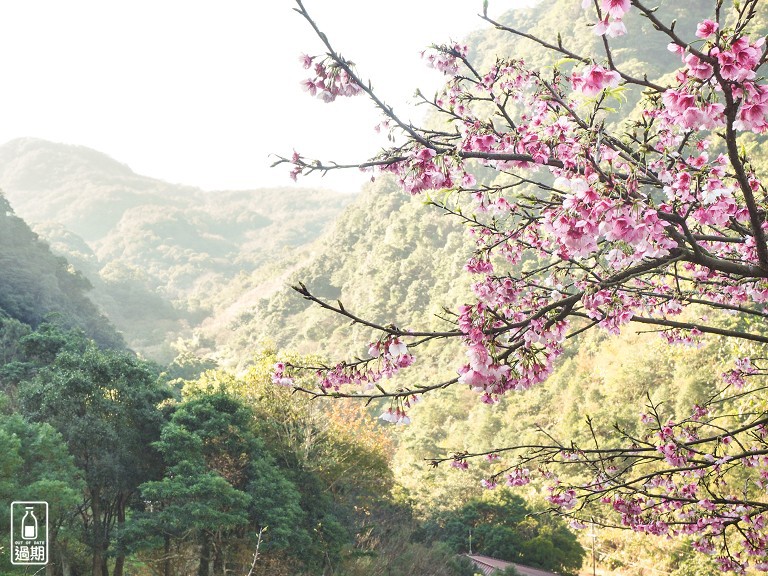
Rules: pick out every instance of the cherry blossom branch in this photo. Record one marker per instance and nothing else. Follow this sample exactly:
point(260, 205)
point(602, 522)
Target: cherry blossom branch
point(650, 14)
point(389, 329)
point(756, 217)
point(366, 87)
point(615, 225)
point(368, 397)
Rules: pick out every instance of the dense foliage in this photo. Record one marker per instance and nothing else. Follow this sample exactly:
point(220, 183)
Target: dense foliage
point(230, 475)
point(502, 526)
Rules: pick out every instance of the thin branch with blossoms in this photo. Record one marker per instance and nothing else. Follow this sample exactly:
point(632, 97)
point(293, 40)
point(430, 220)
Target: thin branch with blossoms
point(390, 330)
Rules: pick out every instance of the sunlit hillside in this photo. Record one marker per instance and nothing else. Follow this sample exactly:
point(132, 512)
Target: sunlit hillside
point(159, 255)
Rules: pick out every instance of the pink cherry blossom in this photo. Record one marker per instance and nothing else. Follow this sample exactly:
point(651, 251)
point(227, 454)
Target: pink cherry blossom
point(706, 28)
point(613, 28)
point(615, 8)
point(593, 79)
point(753, 114)
point(306, 61)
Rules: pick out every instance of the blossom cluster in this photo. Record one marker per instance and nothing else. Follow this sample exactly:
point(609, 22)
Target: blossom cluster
point(726, 63)
point(387, 357)
point(330, 79)
point(446, 59)
point(613, 13)
point(396, 416)
point(736, 376)
point(594, 79)
point(423, 170)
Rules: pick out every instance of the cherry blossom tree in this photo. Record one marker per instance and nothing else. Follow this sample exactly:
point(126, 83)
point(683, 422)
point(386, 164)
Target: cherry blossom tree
point(593, 220)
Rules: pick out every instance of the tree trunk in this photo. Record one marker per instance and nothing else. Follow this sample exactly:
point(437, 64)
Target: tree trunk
point(119, 563)
point(97, 565)
point(167, 556)
point(120, 556)
point(97, 535)
point(66, 570)
point(204, 569)
point(53, 551)
point(218, 557)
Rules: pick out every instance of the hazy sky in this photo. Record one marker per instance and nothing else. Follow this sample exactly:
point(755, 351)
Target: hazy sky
point(201, 93)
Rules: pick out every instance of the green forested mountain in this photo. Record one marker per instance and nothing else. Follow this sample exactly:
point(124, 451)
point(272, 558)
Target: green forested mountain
point(35, 284)
point(323, 483)
point(158, 254)
point(389, 257)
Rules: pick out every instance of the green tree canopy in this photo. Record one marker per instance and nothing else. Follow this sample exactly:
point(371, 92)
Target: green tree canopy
point(104, 404)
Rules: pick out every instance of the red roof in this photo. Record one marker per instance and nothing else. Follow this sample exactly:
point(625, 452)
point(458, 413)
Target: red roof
point(489, 566)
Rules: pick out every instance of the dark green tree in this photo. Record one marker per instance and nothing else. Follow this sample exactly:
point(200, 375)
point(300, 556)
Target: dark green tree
point(104, 404)
point(35, 465)
point(220, 489)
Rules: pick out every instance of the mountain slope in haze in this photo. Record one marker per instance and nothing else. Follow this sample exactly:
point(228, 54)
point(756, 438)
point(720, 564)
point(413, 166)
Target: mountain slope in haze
point(389, 258)
point(34, 284)
point(158, 254)
point(111, 208)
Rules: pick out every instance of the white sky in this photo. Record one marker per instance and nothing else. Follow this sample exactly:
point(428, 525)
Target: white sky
point(201, 92)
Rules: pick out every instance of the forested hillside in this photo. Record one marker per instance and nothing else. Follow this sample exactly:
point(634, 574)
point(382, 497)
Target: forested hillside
point(389, 256)
point(159, 255)
point(364, 521)
point(35, 284)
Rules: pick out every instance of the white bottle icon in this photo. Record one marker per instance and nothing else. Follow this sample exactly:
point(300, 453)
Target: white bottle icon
point(29, 524)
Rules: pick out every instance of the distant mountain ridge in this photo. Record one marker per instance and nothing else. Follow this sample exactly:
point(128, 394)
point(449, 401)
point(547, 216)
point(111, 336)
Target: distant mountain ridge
point(46, 181)
point(158, 254)
point(89, 193)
